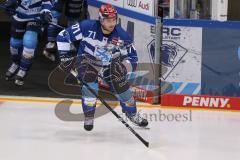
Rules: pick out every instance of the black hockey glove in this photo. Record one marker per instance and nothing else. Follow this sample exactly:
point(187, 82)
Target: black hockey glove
point(64, 59)
point(119, 57)
point(115, 69)
point(46, 17)
point(116, 76)
point(67, 62)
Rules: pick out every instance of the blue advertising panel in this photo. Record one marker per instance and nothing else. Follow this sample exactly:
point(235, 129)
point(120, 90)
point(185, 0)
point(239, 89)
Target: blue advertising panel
point(221, 62)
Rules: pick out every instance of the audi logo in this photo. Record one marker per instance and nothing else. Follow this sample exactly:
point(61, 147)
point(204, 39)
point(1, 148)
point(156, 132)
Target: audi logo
point(132, 3)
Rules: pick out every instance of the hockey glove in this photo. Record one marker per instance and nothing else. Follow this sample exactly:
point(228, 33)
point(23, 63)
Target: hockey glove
point(64, 59)
point(120, 56)
point(116, 76)
point(67, 62)
point(45, 17)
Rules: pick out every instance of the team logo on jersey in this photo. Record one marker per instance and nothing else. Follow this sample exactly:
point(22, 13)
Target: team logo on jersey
point(172, 54)
point(102, 54)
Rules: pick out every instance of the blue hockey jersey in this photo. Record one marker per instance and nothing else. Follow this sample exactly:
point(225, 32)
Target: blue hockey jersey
point(30, 9)
point(93, 39)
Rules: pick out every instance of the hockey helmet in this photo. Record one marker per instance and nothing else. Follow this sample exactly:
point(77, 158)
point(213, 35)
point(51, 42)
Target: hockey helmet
point(107, 11)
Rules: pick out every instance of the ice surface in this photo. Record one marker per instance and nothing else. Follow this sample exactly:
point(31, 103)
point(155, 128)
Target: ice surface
point(31, 131)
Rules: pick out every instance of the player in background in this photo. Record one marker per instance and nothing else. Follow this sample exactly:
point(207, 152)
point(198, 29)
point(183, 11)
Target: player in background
point(25, 30)
point(98, 38)
point(75, 10)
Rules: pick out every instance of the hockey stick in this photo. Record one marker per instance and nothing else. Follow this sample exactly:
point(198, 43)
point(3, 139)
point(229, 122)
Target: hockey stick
point(54, 24)
point(110, 109)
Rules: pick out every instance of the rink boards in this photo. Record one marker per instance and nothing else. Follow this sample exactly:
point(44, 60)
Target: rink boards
point(199, 57)
point(182, 102)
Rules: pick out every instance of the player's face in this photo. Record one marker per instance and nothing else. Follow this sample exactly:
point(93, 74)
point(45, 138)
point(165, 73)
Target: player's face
point(108, 25)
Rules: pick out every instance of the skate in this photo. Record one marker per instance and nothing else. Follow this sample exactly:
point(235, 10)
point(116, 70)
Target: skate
point(50, 51)
point(19, 78)
point(137, 120)
point(88, 123)
point(11, 71)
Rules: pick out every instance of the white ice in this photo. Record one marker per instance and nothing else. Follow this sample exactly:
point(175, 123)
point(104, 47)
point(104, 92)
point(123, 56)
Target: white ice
point(31, 131)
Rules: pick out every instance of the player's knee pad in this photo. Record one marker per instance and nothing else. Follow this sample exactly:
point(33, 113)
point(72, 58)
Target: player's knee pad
point(16, 43)
point(30, 39)
point(16, 46)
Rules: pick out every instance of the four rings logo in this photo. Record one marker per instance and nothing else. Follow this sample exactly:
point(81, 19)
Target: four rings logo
point(132, 3)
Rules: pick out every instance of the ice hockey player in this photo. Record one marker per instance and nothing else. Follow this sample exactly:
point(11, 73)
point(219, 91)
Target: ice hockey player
point(105, 47)
point(26, 25)
point(75, 10)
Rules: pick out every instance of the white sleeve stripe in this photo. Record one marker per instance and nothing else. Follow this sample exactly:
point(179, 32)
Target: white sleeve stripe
point(79, 36)
point(88, 50)
point(63, 46)
point(45, 10)
point(61, 33)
